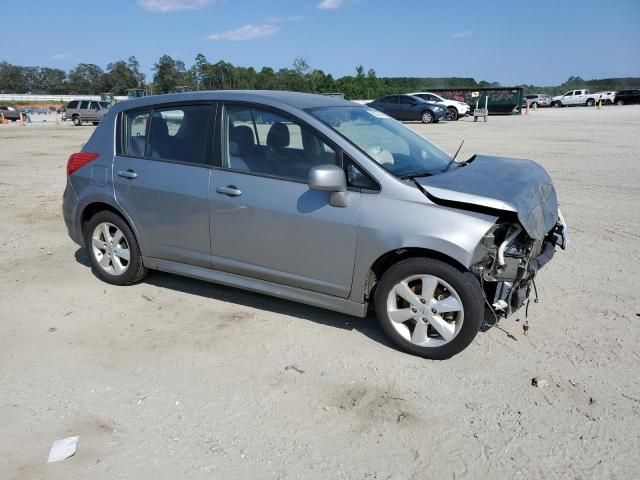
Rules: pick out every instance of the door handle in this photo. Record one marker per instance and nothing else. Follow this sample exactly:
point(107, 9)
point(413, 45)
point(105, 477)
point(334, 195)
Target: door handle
point(229, 190)
point(127, 173)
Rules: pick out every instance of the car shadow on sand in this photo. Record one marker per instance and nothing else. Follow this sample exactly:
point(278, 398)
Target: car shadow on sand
point(367, 326)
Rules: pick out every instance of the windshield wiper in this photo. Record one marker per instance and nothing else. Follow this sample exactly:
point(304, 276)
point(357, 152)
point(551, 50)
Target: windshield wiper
point(411, 175)
point(453, 159)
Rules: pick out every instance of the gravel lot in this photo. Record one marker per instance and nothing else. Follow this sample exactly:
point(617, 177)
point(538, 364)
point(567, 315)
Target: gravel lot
point(177, 378)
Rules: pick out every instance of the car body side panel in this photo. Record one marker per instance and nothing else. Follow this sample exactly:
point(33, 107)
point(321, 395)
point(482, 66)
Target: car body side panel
point(416, 223)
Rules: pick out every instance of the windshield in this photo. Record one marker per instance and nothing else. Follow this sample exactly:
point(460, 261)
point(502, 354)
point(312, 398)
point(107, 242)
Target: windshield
point(395, 147)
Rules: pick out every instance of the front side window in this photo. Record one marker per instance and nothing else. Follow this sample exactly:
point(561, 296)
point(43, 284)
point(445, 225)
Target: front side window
point(95, 106)
point(406, 100)
point(568, 94)
point(264, 142)
point(393, 146)
point(178, 134)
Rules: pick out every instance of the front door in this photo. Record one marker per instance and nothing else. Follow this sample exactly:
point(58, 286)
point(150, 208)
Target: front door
point(161, 180)
point(267, 224)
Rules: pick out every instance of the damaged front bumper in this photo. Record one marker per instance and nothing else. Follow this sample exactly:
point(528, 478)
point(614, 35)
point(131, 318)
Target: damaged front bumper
point(511, 261)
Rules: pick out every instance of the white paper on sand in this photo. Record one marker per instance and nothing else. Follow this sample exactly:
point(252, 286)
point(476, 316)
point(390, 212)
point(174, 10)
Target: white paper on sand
point(62, 449)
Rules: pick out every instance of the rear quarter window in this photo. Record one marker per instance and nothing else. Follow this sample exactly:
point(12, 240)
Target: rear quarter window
point(73, 104)
point(135, 132)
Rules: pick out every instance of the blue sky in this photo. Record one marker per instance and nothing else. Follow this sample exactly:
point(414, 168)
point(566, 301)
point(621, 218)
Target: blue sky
point(512, 42)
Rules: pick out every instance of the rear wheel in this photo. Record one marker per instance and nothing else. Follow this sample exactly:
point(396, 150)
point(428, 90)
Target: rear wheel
point(429, 308)
point(76, 121)
point(452, 114)
point(113, 249)
point(591, 102)
point(426, 117)
point(620, 102)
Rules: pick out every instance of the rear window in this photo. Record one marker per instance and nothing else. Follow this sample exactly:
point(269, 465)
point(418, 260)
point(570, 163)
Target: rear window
point(73, 104)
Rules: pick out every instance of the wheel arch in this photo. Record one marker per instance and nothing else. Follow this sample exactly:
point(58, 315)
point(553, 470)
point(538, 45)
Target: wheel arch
point(95, 207)
point(390, 258)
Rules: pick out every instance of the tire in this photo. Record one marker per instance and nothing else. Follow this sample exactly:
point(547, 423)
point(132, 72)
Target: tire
point(460, 290)
point(427, 117)
point(556, 104)
point(534, 105)
point(76, 121)
point(106, 265)
point(95, 123)
point(452, 114)
point(590, 102)
point(620, 102)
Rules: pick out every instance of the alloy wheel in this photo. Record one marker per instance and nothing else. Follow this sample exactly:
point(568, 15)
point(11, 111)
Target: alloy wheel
point(425, 310)
point(110, 248)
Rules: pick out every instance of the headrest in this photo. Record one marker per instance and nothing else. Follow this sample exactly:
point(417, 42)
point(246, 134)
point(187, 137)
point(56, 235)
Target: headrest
point(278, 136)
point(159, 127)
point(240, 138)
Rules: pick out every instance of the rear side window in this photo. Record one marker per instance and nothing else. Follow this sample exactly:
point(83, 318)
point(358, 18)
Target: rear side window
point(135, 135)
point(84, 104)
point(178, 134)
point(73, 104)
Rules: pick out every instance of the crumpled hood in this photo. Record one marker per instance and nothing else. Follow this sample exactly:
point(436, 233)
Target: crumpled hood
point(507, 184)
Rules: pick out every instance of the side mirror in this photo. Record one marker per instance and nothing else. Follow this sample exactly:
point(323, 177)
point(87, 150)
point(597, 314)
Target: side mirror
point(330, 178)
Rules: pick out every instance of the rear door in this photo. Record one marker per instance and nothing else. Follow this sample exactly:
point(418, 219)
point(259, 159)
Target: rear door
point(83, 110)
point(161, 180)
point(267, 223)
point(93, 114)
point(406, 108)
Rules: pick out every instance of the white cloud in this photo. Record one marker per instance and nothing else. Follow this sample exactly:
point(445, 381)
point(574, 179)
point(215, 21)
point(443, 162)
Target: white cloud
point(330, 4)
point(248, 32)
point(466, 33)
point(60, 56)
point(164, 6)
point(290, 18)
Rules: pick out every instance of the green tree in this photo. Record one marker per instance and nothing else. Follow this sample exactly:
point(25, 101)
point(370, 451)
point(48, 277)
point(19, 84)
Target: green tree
point(86, 78)
point(167, 74)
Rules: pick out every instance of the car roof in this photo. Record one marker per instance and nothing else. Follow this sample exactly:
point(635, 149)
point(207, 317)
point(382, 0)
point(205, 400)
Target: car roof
point(296, 100)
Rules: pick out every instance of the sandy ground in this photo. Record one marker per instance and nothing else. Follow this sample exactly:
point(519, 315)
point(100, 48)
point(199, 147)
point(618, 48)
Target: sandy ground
point(176, 378)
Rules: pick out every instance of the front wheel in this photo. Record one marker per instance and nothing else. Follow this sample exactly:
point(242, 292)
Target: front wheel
point(429, 308)
point(452, 114)
point(556, 104)
point(620, 102)
point(426, 117)
point(113, 249)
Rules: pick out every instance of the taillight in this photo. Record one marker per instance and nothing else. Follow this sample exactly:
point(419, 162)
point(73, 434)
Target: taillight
point(79, 160)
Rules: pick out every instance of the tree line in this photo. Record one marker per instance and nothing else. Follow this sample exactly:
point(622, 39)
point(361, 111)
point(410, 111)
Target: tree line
point(170, 75)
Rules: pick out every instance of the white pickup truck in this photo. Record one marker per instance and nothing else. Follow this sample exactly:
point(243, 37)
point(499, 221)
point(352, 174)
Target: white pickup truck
point(575, 97)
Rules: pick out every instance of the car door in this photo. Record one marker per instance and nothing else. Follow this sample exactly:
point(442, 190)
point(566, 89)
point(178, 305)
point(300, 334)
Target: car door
point(83, 110)
point(406, 108)
point(161, 180)
point(267, 223)
point(567, 98)
point(93, 114)
point(391, 107)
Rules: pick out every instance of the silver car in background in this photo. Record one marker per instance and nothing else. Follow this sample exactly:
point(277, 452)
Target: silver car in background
point(317, 200)
point(84, 111)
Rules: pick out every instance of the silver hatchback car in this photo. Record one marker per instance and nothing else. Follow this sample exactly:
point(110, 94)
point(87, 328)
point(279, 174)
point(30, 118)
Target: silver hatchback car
point(317, 200)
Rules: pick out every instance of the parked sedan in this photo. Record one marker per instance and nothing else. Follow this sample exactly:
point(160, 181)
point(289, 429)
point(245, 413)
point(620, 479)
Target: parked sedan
point(409, 107)
point(625, 97)
point(10, 113)
point(536, 100)
point(316, 200)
